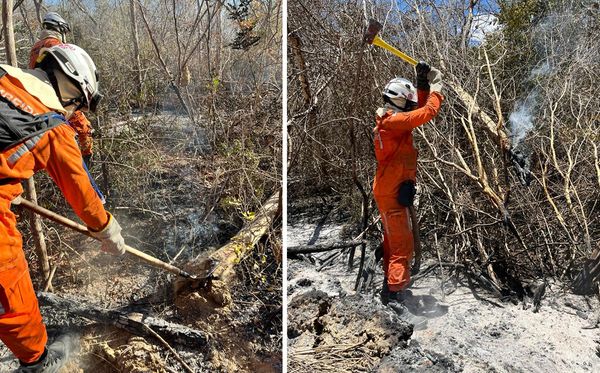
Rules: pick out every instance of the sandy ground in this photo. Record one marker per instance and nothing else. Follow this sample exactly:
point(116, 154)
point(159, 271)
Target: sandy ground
point(476, 332)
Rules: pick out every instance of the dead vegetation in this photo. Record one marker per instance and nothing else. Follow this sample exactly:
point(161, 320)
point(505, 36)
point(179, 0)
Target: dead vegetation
point(505, 202)
point(187, 150)
point(507, 173)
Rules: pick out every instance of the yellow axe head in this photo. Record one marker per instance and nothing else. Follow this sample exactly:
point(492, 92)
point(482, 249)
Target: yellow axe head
point(370, 36)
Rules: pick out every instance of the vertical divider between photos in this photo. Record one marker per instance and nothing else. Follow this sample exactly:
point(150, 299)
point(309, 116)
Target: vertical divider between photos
point(284, 201)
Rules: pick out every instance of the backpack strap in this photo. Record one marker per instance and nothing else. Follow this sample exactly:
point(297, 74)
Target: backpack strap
point(17, 126)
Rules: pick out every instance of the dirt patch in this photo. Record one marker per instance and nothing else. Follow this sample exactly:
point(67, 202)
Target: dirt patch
point(136, 356)
point(486, 334)
point(340, 334)
point(242, 317)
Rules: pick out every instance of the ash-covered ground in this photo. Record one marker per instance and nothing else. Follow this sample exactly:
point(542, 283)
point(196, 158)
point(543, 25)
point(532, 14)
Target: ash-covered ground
point(332, 328)
point(166, 186)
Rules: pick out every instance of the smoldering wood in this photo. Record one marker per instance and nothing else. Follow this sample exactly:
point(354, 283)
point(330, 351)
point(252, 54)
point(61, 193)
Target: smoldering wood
point(245, 240)
point(321, 248)
point(220, 265)
point(134, 323)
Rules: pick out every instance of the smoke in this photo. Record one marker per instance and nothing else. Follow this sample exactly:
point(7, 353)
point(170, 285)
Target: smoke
point(521, 119)
point(559, 42)
point(540, 71)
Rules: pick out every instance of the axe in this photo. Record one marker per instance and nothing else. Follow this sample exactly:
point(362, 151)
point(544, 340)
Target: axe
point(371, 37)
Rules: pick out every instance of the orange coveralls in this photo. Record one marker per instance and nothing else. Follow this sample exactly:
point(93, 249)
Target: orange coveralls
point(78, 121)
point(396, 163)
point(21, 326)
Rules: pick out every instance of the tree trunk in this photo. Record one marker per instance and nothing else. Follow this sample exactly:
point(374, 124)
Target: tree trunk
point(135, 323)
point(221, 263)
point(38, 9)
point(163, 64)
point(8, 31)
point(34, 220)
point(136, 49)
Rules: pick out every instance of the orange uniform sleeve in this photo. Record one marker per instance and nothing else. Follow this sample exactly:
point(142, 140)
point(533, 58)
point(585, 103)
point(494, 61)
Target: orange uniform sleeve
point(82, 126)
point(422, 97)
point(37, 47)
point(59, 154)
point(406, 121)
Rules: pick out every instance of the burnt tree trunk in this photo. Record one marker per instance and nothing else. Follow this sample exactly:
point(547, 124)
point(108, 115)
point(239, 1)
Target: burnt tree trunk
point(134, 323)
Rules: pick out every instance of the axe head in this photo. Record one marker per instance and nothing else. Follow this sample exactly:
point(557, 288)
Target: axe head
point(372, 30)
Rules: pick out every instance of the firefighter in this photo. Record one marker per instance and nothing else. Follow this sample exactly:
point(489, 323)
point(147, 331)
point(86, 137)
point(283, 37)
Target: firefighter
point(54, 32)
point(34, 108)
point(405, 108)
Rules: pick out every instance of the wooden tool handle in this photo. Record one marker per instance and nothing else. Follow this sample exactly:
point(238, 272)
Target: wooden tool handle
point(83, 230)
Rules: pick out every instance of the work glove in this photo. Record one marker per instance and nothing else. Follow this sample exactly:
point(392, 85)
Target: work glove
point(422, 69)
point(434, 76)
point(112, 241)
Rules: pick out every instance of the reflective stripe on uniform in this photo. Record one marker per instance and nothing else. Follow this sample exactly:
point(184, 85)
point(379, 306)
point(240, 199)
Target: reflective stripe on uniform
point(22, 150)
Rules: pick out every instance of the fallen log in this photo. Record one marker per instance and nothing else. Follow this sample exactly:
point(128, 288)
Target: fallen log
point(134, 323)
point(221, 263)
point(321, 248)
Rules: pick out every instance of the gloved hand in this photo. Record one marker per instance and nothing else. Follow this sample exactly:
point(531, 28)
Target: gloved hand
point(435, 80)
point(422, 69)
point(112, 241)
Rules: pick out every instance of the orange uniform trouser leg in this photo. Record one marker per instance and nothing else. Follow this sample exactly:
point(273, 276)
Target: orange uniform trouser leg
point(398, 244)
point(21, 326)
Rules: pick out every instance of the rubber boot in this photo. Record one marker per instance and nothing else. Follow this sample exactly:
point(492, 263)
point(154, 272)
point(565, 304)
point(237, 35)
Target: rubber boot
point(54, 358)
point(396, 300)
point(385, 292)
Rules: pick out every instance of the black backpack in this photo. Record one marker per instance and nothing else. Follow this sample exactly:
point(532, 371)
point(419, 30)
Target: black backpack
point(18, 126)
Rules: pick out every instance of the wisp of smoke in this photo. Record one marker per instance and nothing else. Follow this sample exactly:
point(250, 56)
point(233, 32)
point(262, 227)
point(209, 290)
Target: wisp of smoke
point(540, 71)
point(521, 118)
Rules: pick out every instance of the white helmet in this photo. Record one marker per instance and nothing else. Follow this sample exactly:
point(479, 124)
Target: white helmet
point(73, 75)
point(400, 93)
point(53, 21)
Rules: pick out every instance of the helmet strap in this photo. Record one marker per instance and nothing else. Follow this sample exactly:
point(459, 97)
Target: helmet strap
point(410, 106)
point(389, 101)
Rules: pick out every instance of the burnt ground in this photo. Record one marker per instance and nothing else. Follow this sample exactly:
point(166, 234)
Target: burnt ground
point(467, 329)
point(167, 193)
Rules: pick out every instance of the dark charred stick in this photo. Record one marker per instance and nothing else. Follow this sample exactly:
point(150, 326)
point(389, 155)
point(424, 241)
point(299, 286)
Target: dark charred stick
point(321, 248)
point(133, 323)
point(365, 277)
point(359, 186)
point(329, 261)
point(521, 162)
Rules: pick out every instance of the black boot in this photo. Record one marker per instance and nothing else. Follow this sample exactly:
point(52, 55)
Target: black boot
point(396, 300)
point(385, 292)
point(55, 356)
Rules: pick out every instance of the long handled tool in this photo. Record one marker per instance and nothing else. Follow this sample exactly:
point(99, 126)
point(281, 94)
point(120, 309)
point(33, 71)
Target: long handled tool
point(372, 38)
point(82, 229)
